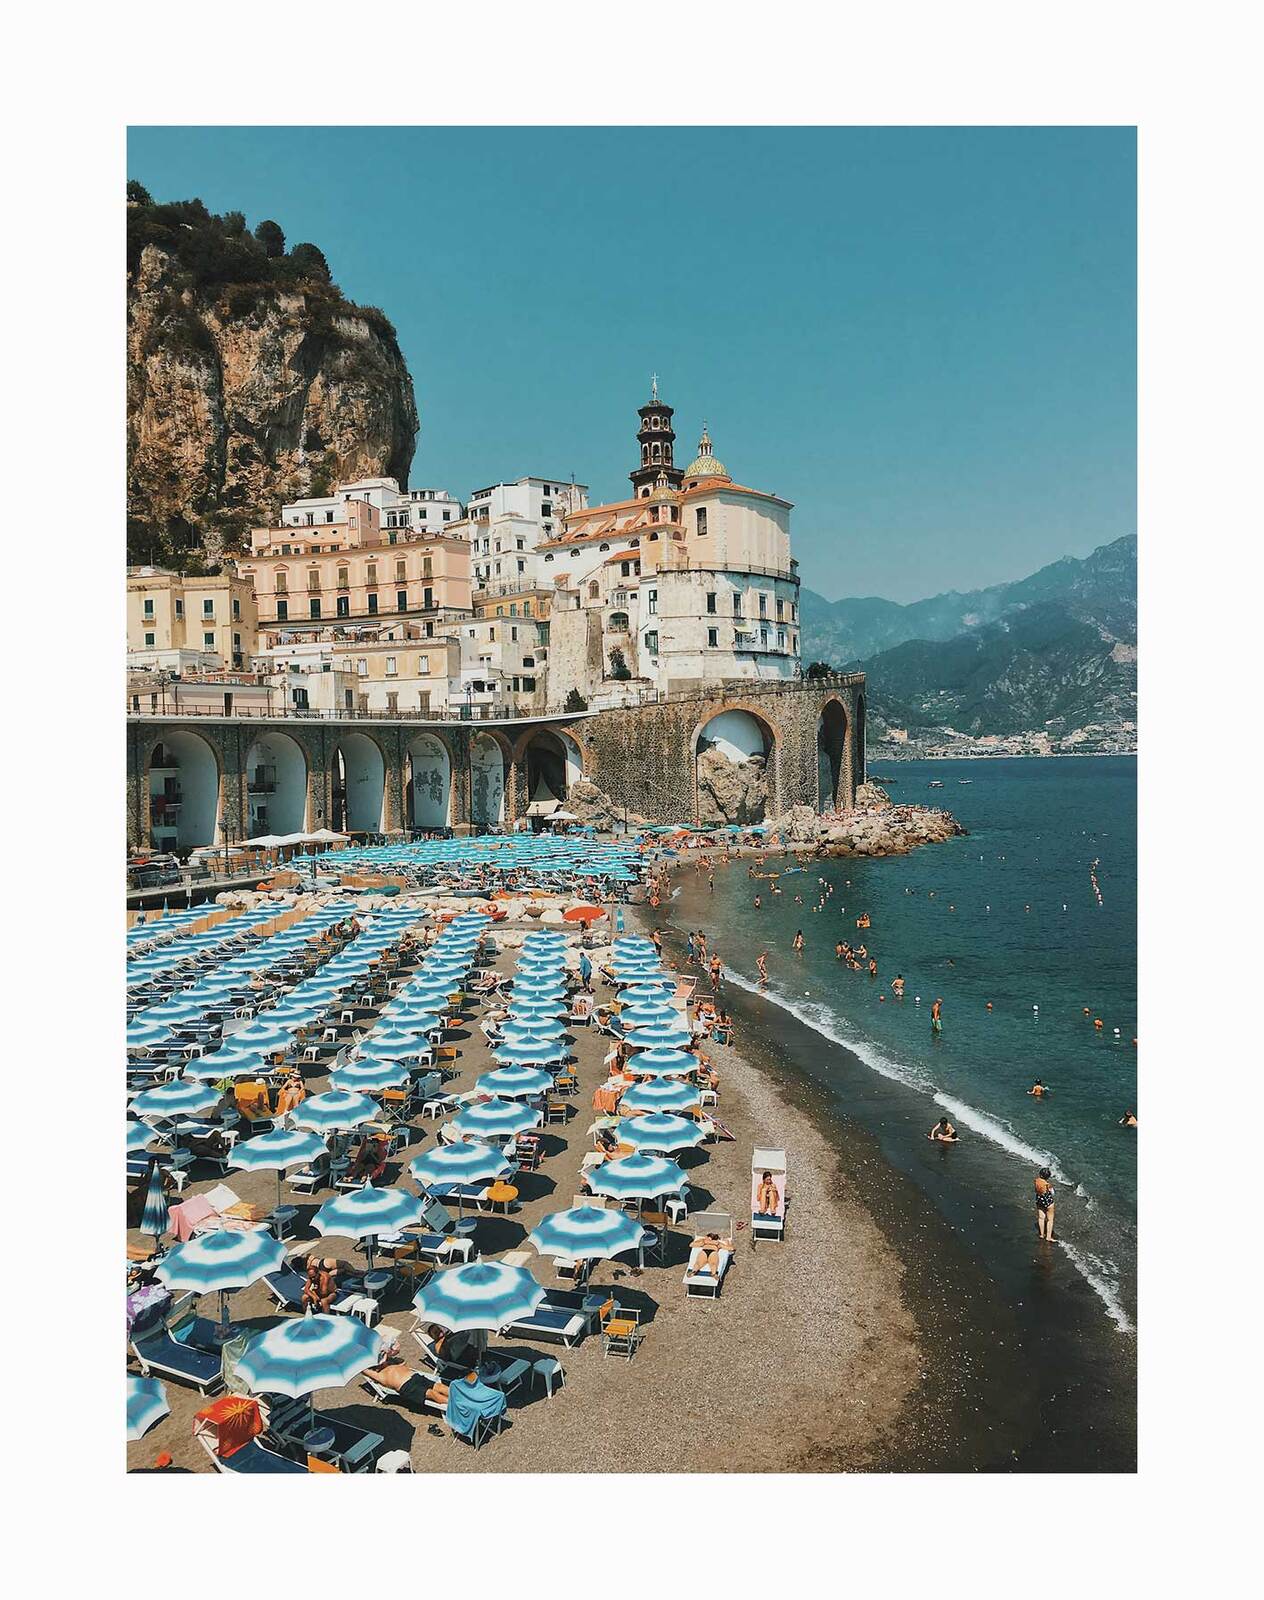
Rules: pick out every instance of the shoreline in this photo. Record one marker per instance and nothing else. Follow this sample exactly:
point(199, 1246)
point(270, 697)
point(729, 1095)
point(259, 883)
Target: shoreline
point(1017, 1370)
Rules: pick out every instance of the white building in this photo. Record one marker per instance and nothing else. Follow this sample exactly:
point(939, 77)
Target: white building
point(503, 666)
point(430, 511)
point(506, 524)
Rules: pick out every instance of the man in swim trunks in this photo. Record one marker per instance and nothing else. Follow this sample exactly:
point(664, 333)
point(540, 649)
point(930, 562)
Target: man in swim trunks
point(943, 1132)
point(1038, 1089)
point(936, 1016)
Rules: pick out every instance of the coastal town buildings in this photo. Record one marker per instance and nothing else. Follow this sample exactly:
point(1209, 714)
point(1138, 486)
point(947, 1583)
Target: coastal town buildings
point(688, 582)
point(394, 670)
point(173, 617)
point(505, 525)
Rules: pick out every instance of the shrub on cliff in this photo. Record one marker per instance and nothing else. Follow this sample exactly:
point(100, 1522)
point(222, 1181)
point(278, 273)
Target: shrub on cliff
point(575, 701)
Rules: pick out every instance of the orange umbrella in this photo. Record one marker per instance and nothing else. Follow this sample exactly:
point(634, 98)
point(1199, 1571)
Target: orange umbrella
point(583, 914)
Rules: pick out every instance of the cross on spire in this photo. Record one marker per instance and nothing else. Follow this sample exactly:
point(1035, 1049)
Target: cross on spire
point(653, 385)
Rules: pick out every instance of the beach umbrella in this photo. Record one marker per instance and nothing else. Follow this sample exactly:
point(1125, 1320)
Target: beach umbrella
point(179, 1099)
point(490, 1119)
point(657, 1131)
point(468, 1162)
point(369, 1076)
point(308, 1353)
point(661, 1063)
point(649, 1014)
point(146, 1403)
point(334, 1112)
point(170, 1011)
point(153, 1218)
point(659, 1034)
point(585, 914)
point(656, 988)
point(139, 1134)
point(638, 1177)
point(587, 1233)
point(513, 1055)
point(510, 1082)
point(659, 1095)
point(539, 988)
point(263, 1036)
point(365, 1213)
point(415, 1018)
point(537, 1008)
point(211, 1069)
point(529, 1030)
point(222, 1261)
point(480, 1297)
point(280, 1149)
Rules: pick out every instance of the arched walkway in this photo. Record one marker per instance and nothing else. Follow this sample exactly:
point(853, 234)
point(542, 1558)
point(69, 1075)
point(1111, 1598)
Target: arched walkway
point(831, 750)
point(276, 786)
point(733, 759)
point(429, 792)
point(359, 785)
point(487, 782)
point(183, 793)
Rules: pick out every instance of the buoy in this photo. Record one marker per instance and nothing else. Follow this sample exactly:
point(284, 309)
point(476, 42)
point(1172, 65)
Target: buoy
point(917, 1000)
point(1116, 1033)
point(1035, 1008)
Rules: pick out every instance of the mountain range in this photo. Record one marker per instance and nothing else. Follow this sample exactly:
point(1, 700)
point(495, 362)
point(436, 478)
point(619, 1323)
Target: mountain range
point(1055, 650)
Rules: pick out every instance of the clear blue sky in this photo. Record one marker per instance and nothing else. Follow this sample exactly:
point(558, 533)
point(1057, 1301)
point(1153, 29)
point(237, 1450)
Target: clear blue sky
point(924, 338)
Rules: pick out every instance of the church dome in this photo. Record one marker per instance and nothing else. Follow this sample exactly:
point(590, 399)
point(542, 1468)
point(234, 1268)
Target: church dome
point(704, 464)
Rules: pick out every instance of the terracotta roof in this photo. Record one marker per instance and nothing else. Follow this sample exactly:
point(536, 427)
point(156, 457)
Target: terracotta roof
point(622, 555)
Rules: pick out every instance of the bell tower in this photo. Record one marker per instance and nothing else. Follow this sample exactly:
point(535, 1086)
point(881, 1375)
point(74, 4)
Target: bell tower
point(655, 439)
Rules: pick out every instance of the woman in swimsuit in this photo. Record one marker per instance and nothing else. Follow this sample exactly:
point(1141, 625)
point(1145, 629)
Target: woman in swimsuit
point(1045, 1203)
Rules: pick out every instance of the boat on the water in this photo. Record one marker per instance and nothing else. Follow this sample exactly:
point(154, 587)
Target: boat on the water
point(936, 783)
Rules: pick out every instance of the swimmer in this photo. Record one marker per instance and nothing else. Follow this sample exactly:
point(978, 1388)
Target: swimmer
point(873, 968)
point(1038, 1089)
point(943, 1132)
point(798, 943)
point(758, 902)
point(1128, 1120)
point(897, 986)
point(937, 1016)
point(838, 952)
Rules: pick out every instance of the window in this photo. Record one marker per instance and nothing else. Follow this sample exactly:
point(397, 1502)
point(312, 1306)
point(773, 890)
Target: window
point(780, 609)
point(392, 702)
point(236, 610)
point(423, 666)
point(711, 604)
point(342, 605)
point(344, 577)
point(651, 642)
point(652, 597)
point(313, 581)
point(208, 641)
point(282, 583)
point(701, 515)
point(513, 633)
point(237, 643)
point(390, 667)
point(594, 589)
point(208, 608)
point(371, 578)
point(491, 633)
point(447, 516)
point(737, 604)
point(526, 608)
point(401, 571)
point(427, 599)
point(625, 567)
point(529, 685)
point(362, 668)
point(781, 638)
point(149, 641)
point(713, 638)
point(763, 604)
point(618, 622)
point(283, 610)
point(313, 606)
point(329, 516)
point(373, 605)
point(401, 600)
point(179, 608)
point(149, 608)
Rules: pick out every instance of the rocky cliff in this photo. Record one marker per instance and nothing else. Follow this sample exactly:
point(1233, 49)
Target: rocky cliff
point(251, 380)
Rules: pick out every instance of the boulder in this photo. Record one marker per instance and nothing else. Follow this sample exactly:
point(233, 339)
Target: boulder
point(731, 791)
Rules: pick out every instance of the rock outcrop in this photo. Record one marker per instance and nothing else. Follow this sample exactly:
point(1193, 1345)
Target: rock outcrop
point(250, 381)
point(596, 809)
point(731, 791)
point(874, 828)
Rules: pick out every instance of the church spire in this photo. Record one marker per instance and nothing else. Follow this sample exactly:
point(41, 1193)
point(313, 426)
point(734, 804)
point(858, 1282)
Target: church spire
point(655, 439)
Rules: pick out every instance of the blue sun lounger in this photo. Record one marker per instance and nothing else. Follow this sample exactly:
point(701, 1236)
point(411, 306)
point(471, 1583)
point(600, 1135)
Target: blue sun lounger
point(252, 1457)
point(562, 1314)
point(157, 1351)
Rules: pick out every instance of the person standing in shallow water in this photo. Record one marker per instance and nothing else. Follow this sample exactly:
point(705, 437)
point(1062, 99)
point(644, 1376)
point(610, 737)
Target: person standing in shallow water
point(1045, 1203)
point(798, 942)
point(761, 966)
point(936, 1016)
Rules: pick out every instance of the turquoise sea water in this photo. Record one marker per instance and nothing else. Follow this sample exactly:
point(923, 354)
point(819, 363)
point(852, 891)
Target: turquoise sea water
point(1010, 915)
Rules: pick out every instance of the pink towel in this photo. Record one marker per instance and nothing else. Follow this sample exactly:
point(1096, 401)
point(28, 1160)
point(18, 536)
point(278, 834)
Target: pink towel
point(183, 1218)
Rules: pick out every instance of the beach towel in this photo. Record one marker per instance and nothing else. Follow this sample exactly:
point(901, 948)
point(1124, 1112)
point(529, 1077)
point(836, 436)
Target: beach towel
point(235, 1418)
point(184, 1218)
point(467, 1402)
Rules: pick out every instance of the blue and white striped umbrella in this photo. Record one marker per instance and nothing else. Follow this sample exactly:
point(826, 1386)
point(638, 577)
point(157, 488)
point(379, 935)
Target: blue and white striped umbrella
point(309, 1353)
point(367, 1212)
point(661, 1063)
point(406, 1049)
point(264, 1036)
point(153, 1218)
point(232, 1055)
point(653, 989)
point(586, 1233)
point(180, 1099)
point(668, 1038)
point(227, 1260)
point(394, 1035)
point(514, 1054)
point(539, 989)
point(659, 1095)
point(466, 1162)
point(335, 1111)
point(510, 1082)
point(538, 1008)
point(483, 1296)
point(139, 1134)
point(414, 1018)
point(275, 1151)
point(146, 1403)
point(649, 1014)
point(144, 1035)
point(540, 1030)
point(637, 1178)
point(369, 1076)
point(212, 1069)
point(656, 1130)
point(492, 1119)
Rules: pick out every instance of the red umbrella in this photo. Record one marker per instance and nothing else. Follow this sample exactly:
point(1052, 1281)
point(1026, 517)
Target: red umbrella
point(583, 914)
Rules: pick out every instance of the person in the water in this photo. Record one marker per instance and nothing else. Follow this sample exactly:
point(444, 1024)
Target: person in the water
point(761, 966)
point(1038, 1089)
point(798, 942)
point(943, 1132)
point(1045, 1203)
point(1128, 1120)
point(937, 1016)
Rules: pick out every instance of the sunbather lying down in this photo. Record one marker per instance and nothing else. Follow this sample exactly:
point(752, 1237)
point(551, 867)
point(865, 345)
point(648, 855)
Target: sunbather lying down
point(411, 1387)
point(705, 1256)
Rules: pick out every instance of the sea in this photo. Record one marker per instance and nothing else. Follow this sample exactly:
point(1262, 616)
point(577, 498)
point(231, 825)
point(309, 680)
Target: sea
point(1025, 929)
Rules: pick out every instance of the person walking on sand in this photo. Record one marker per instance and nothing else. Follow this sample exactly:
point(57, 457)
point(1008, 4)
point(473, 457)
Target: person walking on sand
point(798, 943)
point(1045, 1203)
point(657, 938)
point(937, 1016)
point(689, 952)
point(702, 948)
point(761, 966)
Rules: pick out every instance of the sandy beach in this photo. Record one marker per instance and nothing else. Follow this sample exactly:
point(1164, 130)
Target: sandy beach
point(807, 1361)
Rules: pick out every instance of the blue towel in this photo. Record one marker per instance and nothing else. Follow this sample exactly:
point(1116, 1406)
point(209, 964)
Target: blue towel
point(469, 1401)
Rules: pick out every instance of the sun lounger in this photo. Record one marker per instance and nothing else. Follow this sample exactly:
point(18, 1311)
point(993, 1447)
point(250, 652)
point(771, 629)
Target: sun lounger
point(159, 1352)
point(353, 1449)
point(708, 1283)
point(563, 1314)
point(252, 1457)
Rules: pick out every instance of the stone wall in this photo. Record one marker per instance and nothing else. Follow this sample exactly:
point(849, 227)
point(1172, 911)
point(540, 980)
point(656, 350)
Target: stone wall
point(642, 757)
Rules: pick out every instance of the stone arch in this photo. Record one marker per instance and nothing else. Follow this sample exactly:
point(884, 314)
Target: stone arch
point(551, 758)
point(858, 764)
point(358, 782)
point(276, 785)
point(488, 768)
point(831, 755)
point(734, 752)
point(428, 792)
point(183, 781)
